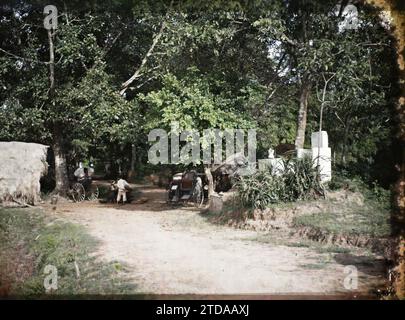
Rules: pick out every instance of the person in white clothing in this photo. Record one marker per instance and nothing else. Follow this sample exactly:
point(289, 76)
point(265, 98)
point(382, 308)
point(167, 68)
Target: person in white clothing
point(122, 186)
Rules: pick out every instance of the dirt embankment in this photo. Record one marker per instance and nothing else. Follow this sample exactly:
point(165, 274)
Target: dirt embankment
point(344, 206)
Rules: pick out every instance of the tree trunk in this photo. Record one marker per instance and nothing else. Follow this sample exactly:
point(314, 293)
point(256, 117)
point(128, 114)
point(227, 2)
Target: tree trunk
point(61, 175)
point(344, 143)
point(133, 157)
point(302, 114)
point(131, 173)
point(208, 174)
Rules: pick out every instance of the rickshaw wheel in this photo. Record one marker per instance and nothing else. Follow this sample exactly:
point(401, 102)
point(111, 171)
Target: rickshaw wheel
point(94, 194)
point(78, 192)
point(173, 198)
point(198, 196)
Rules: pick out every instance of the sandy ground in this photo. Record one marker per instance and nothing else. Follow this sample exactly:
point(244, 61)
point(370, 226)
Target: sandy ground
point(175, 250)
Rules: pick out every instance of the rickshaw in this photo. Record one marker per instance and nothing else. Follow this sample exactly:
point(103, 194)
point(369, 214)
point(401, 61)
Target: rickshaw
point(186, 187)
point(84, 188)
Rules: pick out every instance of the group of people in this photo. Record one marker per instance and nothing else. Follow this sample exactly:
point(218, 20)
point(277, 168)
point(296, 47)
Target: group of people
point(120, 188)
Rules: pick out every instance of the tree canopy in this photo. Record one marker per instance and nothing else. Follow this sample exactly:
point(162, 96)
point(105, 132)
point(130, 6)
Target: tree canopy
point(124, 67)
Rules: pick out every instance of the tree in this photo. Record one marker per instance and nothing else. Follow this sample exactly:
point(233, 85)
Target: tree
point(192, 103)
point(260, 61)
point(80, 94)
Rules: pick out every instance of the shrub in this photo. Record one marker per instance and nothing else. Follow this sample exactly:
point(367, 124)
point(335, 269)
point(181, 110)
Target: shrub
point(342, 180)
point(299, 181)
point(373, 192)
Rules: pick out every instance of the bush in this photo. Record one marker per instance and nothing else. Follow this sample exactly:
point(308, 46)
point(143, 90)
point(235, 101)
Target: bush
point(373, 192)
point(343, 180)
point(381, 195)
point(299, 181)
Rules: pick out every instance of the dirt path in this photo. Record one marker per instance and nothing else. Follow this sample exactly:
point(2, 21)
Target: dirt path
point(176, 251)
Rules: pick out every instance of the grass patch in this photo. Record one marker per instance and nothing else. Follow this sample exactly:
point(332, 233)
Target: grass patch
point(30, 240)
point(271, 238)
point(318, 247)
point(370, 217)
point(371, 221)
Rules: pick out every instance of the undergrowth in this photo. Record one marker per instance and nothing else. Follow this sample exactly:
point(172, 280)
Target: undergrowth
point(298, 181)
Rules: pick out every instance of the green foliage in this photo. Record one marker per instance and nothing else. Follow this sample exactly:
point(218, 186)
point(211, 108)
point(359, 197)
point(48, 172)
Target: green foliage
point(349, 221)
point(299, 181)
point(192, 103)
point(374, 193)
point(341, 180)
point(382, 196)
point(221, 64)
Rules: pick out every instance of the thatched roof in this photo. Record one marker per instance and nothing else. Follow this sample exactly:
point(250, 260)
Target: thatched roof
point(21, 167)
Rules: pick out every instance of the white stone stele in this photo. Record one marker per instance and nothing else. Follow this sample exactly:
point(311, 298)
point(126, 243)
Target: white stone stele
point(271, 153)
point(322, 157)
point(319, 140)
point(320, 149)
point(321, 154)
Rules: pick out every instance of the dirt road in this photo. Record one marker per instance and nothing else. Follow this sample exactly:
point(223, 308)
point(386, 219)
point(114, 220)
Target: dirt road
point(177, 251)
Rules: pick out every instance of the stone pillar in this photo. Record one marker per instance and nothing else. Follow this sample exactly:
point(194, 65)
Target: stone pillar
point(216, 204)
point(321, 155)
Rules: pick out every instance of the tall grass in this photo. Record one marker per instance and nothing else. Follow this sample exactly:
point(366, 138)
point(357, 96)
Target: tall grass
point(299, 181)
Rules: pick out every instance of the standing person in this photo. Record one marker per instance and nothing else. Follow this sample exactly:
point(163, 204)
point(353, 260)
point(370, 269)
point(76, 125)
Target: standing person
point(112, 193)
point(123, 186)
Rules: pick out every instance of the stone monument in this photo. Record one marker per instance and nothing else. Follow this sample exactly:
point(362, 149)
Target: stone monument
point(321, 154)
